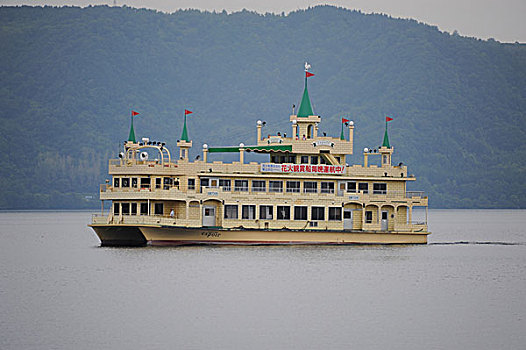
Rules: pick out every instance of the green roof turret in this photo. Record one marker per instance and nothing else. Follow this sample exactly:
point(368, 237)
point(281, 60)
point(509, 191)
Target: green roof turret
point(184, 135)
point(305, 107)
point(386, 136)
point(131, 136)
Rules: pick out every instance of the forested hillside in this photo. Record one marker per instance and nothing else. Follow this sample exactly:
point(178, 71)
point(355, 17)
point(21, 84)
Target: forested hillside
point(70, 77)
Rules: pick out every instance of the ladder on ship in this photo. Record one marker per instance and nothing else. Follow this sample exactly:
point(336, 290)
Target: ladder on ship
point(330, 158)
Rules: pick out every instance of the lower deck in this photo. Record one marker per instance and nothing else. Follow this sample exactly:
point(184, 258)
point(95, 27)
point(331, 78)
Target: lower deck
point(289, 214)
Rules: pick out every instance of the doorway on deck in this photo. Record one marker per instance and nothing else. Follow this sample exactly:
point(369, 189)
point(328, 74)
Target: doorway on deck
point(385, 220)
point(209, 216)
point(347, 219)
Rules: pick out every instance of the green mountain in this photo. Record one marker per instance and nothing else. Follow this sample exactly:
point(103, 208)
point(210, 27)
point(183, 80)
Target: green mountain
point(70, 78)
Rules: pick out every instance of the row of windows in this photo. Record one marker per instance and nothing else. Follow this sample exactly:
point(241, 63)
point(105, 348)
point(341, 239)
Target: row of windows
point(363, 187)
point(131, 208)
point(145, 182)
point(273, 186)
point(281, 212)
point(257, 185)
point(248, 212)
point(291, 186)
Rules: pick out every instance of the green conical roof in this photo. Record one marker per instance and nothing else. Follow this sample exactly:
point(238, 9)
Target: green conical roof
point(184, 135)
point(386, 138)
point(131, 136)
point(305, 107)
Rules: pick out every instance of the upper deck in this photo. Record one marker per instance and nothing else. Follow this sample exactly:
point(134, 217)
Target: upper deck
point(306, 158)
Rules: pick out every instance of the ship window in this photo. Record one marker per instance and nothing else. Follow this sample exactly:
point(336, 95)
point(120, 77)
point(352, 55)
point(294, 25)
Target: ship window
point(168, 182)
point(309, 131)
point(144, 208)
point(274, 159)
point(335, 213)
point(379, 188)
point(116, 210)
point(314, 160)
point(125, 208)
point(283, 213)
point(191, 184)
point(363, 187)
point(275, 186)
point(158, 209)
point(351, 187)
point(248, 212)
point(338, 159)
point(293, 186)
point(310, 187)
point(300, 213)
point(158, 182)
point(304, 159)
point(125, 182)
point(230, 211)
point(322, 160)
point(283, 159)
point(205, 182)
point(241, 185)
point(116, 182)
point(134, 182)
point(225, 184)
point(327, 187)
point(266, 212)
point(368, 217)
point(134, 208)
point(145, 182)
point(259, 186)
point(317, 213)
point(292, 159)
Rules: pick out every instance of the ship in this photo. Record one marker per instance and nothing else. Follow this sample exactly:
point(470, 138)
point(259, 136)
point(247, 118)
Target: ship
point(304, 193)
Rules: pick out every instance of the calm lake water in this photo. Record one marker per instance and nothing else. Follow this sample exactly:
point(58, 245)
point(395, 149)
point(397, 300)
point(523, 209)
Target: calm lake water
point(465, 290)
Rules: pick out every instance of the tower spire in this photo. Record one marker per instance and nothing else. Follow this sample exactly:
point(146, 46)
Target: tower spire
point(131, 136)
point(386, 136)
point(184, 135)
point(305, 107)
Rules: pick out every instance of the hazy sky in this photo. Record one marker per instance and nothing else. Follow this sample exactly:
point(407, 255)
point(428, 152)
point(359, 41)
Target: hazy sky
point(503, 20)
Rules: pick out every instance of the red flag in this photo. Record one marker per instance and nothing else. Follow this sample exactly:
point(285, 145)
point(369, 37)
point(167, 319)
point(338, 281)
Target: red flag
point(134, 113)
point(186, 111)
point(345, 120)
point(308, 74)
point(388, 119)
